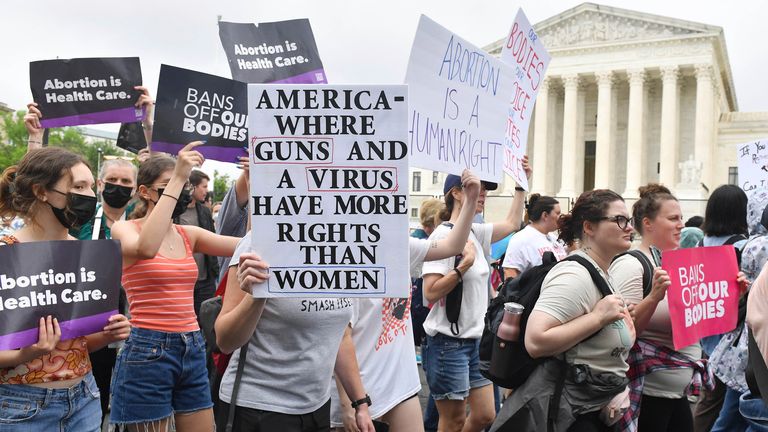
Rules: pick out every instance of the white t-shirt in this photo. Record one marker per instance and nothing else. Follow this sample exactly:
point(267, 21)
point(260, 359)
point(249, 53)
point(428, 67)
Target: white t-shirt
point(475, 298)
point(417, 249)
point(527, 246)
point(383, 337)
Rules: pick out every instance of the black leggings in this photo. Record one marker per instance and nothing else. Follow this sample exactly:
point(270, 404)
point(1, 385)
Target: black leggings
point(253, 420)
point(660, 415)
point(589, 422)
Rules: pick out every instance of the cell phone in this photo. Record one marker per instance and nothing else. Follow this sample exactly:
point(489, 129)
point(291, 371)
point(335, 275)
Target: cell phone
point(656, 254)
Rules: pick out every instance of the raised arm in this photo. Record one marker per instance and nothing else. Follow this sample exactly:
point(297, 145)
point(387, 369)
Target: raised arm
point(454, 242)
point(145, 101)
point(206, 242)
point(240, 312)
point(34, 129)
point(515, 216)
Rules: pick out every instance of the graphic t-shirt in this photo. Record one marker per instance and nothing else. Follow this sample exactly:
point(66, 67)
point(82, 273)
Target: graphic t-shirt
point(568, 293)
point(475, 297)
point(527, 246)
point(292, 353)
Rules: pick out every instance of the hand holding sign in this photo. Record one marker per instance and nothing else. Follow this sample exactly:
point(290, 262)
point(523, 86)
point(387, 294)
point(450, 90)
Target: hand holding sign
point(48, 336)
point(32, 123)
point(250, 271)
point(661, 282)
point(471, 185)
point(118, 328)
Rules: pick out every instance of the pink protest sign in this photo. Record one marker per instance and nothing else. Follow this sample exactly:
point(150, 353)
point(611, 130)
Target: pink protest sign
point(704, 296)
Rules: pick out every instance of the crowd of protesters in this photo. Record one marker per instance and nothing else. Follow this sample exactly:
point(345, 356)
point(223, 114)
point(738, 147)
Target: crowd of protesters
point(608, 362)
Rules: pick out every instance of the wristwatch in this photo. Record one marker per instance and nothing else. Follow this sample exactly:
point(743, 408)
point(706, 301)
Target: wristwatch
point(365, 400)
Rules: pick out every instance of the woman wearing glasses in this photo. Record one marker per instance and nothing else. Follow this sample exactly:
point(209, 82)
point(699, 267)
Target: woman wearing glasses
point(659, 220)
point(589, 334)
point(161, 370)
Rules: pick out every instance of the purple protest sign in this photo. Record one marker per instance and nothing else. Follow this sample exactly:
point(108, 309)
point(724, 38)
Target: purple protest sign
point(86, 91)
point(78, 282)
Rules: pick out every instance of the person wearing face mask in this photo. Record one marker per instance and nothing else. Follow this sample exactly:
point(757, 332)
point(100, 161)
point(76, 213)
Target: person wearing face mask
point(161, 371)
point(526, 247)
point(198, 214)
point(116, 184)
point(51, 189)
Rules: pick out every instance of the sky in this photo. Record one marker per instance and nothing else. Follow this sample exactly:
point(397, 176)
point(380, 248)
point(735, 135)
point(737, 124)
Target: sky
point(359, 41)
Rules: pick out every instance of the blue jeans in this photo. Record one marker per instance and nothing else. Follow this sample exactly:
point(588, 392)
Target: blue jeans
point(754, 411)
point(25, 408)
point(158, 374)
point(452, 366)
point(730, 418)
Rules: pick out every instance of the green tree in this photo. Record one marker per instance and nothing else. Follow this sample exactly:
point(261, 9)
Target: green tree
point(13, 142)
point(221, 184)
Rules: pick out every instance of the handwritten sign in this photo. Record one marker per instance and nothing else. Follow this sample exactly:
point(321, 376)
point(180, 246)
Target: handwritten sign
point(752, 158)
point(459, 96)
point(704, 295)
point(329, 186)
point(525, 52)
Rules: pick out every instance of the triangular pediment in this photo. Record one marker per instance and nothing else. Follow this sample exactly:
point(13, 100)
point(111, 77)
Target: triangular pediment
point(591, 24)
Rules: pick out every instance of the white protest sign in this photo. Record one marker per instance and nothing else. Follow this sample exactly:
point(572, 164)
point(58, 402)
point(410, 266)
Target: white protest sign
point(753, 164)
point(329, 189)
point(525, 52)
point(459, 96)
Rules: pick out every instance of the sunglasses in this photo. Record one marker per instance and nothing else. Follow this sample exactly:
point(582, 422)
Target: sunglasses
point(621, 221)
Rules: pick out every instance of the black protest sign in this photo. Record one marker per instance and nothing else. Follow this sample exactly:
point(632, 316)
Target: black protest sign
point(193, 106)
point(77, 282)
point(131, 137)
point(275, 52)
point(86, 91)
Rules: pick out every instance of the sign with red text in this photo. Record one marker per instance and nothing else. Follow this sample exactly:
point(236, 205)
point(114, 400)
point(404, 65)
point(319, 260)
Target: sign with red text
point(524, 51)
point(459, 96)
point(329, 189)
point(704, 296)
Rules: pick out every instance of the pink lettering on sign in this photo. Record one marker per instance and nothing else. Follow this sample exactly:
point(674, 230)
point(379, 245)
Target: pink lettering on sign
point(704, 296)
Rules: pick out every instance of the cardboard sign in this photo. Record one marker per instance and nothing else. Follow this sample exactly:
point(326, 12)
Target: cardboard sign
point(704, 296)
point(194, 106)
point(275, 52)
point(86, 91)
point(459, 97)
point(329, 186)
point(77, 282)
point(752, 158)
point(525, 52)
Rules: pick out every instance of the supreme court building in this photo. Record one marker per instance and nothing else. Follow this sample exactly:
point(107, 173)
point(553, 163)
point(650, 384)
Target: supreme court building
point(629, 98)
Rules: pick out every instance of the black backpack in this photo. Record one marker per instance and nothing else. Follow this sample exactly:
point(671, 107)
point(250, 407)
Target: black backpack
point(648, 268)
point(524, 290)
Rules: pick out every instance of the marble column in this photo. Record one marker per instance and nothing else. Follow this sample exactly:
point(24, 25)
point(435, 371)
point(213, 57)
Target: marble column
point(704, 137)
point(570, 136)
point(604, 145)
point(635, 132)
point(670, 129)
point(541, 140)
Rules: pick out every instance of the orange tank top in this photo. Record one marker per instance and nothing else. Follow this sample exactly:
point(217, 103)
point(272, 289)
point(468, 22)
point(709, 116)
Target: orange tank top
point(69, 360)
point(160, 291)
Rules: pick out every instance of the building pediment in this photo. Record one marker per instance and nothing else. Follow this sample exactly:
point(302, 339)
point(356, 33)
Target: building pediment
point(589, 24)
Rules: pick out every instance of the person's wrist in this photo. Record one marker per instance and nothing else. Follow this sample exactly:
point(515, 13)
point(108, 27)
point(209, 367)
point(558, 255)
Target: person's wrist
point(519, 189)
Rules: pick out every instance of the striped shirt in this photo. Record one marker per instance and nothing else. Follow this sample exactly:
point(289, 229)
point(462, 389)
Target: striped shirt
point(160, 291)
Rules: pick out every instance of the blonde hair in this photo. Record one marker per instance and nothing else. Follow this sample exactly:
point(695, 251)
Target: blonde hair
point(429, 211)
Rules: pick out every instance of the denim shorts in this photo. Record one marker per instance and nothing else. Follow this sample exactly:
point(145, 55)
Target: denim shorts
point(158, 374)
point(754, 411)
point(25, 408)
point(452, 366)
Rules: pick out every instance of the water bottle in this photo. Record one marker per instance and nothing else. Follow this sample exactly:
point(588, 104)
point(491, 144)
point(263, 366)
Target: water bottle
point(509, 331)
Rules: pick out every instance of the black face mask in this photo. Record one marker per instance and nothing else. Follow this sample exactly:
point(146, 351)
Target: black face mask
point(79, 210)
point(185, 198)
point(116, 196)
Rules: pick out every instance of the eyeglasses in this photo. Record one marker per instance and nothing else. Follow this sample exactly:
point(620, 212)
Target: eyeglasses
point(621, 221)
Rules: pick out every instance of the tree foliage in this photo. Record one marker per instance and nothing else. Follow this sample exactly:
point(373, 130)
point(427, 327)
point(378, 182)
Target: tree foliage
point(221, 184)
point(13, 142)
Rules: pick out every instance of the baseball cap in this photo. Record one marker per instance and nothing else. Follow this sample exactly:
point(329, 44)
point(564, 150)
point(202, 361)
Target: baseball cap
point(452, 181)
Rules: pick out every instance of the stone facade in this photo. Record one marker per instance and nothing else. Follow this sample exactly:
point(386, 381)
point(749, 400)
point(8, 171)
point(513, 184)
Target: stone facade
point(629, 98)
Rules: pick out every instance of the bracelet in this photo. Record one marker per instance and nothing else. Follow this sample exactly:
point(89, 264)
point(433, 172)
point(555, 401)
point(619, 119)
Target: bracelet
point(35, 141)
point(519, 189)
point(458, 274)
point(366, 400)
point(171, 196)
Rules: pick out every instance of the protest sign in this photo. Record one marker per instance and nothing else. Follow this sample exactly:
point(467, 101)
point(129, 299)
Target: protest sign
point(753, 165)
point(131, 137)
point(86, 91)
point(459, 97)
point(77, 282)
point(525, 52)
point(274, 52)
point(329, 186)
point(194, 106)
point(704, 296)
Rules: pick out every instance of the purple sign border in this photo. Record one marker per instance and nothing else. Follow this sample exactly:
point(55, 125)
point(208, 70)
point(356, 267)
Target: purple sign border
point(222, 154)
point(121, 115)
point(69, 330)
point(305, 78)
